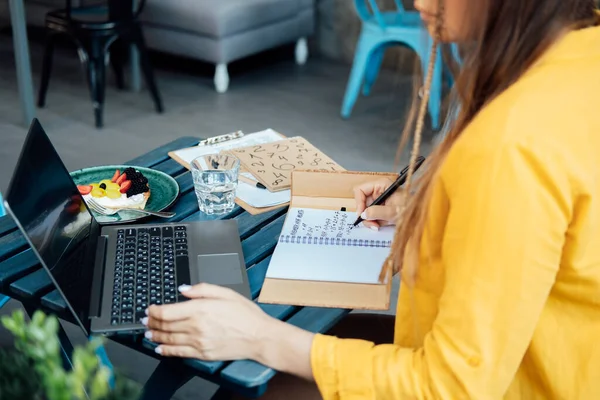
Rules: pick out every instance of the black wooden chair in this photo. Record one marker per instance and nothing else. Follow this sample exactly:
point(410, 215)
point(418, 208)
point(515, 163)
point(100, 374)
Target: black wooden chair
point(96, 31)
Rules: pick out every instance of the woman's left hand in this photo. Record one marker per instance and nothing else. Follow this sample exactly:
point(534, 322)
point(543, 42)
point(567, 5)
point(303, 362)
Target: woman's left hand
point(215, 324)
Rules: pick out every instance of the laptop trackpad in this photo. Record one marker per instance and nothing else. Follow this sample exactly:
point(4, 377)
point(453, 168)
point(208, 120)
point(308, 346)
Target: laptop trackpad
point(220, 269)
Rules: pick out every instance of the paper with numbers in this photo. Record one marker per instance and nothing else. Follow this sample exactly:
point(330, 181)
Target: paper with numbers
point(273, 163)
point(322, 245)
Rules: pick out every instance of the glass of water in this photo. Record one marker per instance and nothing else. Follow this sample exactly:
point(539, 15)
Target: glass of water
point(215, 182)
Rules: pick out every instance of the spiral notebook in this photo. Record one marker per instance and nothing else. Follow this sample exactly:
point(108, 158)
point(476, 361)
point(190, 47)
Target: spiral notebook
point(319, 259)
point(322, 245)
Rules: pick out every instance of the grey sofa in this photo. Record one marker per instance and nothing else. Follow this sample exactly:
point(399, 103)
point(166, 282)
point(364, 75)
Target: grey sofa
point(215, 31)
point(222, 31)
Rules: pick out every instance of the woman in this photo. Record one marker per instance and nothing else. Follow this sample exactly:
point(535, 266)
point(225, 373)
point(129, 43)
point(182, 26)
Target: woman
point(498, 246)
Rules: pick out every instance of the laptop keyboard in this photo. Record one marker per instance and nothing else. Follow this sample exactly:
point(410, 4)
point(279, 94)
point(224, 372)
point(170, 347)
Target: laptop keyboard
point(148, 264)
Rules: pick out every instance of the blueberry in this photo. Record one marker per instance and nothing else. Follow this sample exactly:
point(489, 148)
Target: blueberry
point(102, 186)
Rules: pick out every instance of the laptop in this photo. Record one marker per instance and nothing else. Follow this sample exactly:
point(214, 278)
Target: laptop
point(109, 274)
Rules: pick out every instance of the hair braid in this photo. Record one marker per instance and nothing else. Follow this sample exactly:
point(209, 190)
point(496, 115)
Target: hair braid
point(394, 261)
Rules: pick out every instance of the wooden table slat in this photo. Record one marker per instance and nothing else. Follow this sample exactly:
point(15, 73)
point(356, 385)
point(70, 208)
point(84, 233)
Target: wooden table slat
point(256, 276)
point(32, 286)
point(54, 302)
point(7, 225)
point(170, 167)
point(186, 183)
point(261, 244)
point(11, 244)
point(17, 267)
point(249, 224)
point(248, 373)
point(160, 154)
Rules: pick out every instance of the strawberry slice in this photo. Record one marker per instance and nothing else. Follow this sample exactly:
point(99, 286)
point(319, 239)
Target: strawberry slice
point(121, 179)
point(116, 176)
point(84, 189)
point(125, 186)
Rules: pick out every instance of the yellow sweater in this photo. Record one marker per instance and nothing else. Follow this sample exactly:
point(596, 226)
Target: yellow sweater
point(508, 303)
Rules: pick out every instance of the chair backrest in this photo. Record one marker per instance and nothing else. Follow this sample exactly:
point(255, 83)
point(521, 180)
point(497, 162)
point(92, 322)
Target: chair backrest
point(369, 8)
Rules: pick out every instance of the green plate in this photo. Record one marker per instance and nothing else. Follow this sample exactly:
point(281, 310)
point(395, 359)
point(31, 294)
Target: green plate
point(163, 190)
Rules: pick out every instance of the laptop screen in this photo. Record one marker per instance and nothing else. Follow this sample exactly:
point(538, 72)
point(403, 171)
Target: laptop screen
point(49, 209)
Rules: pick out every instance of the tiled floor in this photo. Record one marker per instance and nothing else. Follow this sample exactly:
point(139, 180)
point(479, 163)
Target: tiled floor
point(266, 91)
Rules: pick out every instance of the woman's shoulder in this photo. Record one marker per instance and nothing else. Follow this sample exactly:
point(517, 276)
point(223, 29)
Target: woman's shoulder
point(542, 110)
point(537, 121)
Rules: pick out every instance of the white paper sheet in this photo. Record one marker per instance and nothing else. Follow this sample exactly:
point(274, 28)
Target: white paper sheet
point(321, 245)
point(266, 136)
point(260, 198)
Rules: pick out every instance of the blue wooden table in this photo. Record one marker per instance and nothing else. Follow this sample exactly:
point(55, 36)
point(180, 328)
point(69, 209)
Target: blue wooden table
point(22, 278)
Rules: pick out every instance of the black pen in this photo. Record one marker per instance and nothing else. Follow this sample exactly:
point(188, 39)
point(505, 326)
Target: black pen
point(251, 182)
point(394, 186)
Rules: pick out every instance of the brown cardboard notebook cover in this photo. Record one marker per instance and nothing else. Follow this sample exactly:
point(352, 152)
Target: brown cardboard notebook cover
point(329, 191)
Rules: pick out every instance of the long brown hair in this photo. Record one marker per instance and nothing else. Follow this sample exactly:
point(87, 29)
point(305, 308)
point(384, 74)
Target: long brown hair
point(506, 41)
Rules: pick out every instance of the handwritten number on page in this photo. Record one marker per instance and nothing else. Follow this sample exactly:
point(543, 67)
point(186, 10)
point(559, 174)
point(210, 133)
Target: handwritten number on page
point(284, 166)
point(283, 158)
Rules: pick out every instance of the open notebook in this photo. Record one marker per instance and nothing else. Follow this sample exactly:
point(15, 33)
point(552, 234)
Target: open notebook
point(322, 245)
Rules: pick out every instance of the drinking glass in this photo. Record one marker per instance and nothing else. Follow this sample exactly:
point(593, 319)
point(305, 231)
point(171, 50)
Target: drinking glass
point(215, 182)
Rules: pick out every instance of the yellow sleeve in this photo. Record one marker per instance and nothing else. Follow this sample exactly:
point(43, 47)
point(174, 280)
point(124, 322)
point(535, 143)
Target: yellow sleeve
point(509, 212)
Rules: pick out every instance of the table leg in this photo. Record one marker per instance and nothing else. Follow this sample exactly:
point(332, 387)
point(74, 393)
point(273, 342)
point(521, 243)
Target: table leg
point(136, 80)
point(134, 60)
point(21, 45)
point(166, 379)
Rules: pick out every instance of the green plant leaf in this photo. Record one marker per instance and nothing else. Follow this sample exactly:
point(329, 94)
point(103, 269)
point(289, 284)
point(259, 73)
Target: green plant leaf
point(99, 386)
point(52, 324)
point(38, 318)
point(34, 370)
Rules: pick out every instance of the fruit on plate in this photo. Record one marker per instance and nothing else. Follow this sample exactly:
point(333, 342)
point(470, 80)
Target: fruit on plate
point(113, 193)
point(139, 183)
point(84, 189)
point(128, 188)
point(116, 176)
point(98, 192)
point(125, 186)
point(122, 178)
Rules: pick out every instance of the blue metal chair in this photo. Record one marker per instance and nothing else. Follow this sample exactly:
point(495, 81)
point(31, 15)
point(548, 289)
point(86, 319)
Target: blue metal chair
point(3, 299)
point(381, 30)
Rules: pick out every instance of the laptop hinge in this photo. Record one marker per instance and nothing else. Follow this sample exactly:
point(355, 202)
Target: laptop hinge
point(98, 279)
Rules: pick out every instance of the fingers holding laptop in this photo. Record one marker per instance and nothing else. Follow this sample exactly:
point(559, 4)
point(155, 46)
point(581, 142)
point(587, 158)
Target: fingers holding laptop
point(213, 325)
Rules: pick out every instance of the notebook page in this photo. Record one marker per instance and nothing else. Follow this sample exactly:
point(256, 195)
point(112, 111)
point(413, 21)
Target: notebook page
point(313, 223)
point(304, 259)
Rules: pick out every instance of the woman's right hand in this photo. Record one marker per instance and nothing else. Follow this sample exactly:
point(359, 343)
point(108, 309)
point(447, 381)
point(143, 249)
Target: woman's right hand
point(377, 216)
